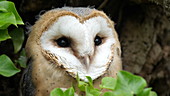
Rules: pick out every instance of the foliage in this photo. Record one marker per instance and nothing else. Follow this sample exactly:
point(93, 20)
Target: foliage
point(17, 36)
point(9, 16)
point(22, 59)
point(126, 84)
point(59, 92)
point(7, 68)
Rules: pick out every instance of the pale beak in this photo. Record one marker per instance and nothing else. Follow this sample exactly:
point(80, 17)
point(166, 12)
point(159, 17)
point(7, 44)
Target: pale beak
point(86, 61)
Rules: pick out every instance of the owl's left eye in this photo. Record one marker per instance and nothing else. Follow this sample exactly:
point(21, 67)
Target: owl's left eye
point(63, 42)
point(98, 40)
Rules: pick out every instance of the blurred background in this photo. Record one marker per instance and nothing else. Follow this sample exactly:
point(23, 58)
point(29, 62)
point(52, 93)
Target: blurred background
point(144, 32)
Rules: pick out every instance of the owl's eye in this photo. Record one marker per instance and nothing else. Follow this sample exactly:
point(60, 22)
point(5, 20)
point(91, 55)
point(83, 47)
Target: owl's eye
point(63, 42)
point(97, 40)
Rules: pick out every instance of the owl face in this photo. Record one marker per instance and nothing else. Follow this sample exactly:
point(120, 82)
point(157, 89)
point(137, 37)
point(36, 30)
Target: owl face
point(80, 43)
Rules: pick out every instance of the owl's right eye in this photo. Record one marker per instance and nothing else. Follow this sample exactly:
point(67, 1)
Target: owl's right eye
point(63, 42)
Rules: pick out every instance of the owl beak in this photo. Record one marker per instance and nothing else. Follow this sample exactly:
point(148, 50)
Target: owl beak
point(86, 61)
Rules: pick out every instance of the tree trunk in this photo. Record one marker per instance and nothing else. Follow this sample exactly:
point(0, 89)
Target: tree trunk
point(145, 39)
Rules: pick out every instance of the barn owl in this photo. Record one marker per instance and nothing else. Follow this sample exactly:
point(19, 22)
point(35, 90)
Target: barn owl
point(68, 41)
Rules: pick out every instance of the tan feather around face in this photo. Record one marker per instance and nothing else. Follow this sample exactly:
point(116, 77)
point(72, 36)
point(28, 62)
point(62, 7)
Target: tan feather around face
point(69, 41)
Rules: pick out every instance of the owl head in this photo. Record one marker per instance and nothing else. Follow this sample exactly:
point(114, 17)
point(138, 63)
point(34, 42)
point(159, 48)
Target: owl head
point(79, 41)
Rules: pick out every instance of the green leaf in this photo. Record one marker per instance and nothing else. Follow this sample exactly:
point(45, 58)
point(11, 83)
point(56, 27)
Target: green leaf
point(7, 19)
point(152, 93)
point(57, 92)
point(2, 9)
point(109, 94)
point(81, 84)
point(69, 92)
point(108, 83)
point(145, 92)
point(90, 81)
point(10, 7)
point(129, 84)
point(17, 36)
point(7, 68)
point(22, 60)
point(92, 91)
point(4, 35)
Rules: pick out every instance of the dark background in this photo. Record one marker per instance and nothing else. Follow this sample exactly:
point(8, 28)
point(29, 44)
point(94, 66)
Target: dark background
point(144, 32)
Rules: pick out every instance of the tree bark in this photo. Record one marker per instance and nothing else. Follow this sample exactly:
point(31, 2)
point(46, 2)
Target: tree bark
point(145, 39)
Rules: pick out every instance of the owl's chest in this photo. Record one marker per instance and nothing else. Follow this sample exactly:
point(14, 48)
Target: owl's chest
point(46, 77)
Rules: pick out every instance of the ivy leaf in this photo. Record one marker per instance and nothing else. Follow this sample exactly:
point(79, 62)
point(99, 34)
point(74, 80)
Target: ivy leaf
point(2, 9)
point(129, 84)
point(7, 19)
point(92, 91)
point(145, 92)
point(22, 60)
point(90, 81)
point(7, 67)
point(108, 83)
point(109, 94)
point(153, 94)
point(57, 92)
point(69, 92)
point(10, 7)
point(17, 36)
point(4, 35)
point(81, 84)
